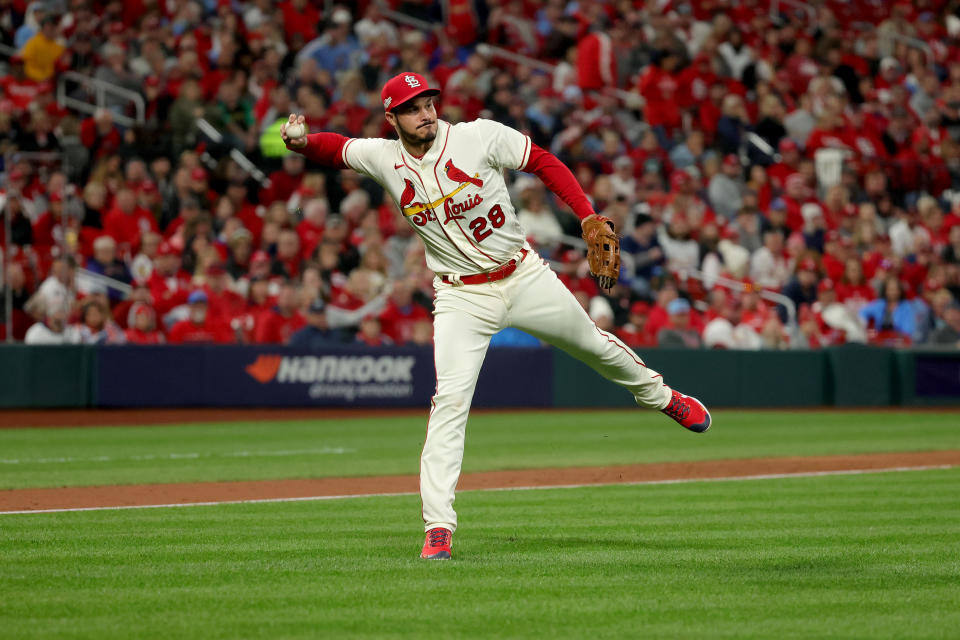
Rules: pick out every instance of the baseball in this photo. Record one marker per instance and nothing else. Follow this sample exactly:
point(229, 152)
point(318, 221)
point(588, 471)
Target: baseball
point(296, 130)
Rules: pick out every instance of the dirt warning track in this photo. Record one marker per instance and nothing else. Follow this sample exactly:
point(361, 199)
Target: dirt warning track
point(141, 495)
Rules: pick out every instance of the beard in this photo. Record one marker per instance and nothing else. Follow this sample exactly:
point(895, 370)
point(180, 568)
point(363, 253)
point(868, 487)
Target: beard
point(421, 135)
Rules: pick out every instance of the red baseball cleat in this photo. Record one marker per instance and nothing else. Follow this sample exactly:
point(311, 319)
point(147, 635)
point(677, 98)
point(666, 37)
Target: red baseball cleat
point(688, 411)
point(437, 544)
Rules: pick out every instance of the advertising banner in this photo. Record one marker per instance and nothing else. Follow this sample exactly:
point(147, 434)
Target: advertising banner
point(937, 376)
point(263, 376)
point(275, 376)
point(339, 377)
point(516, 377)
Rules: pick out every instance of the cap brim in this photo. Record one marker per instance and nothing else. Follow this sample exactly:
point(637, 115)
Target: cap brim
point(425, 92)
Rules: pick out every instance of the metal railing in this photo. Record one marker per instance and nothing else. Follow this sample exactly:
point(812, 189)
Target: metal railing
point(491, 51)
point(42, 161)
point(803, 6)
point(86, 278)
point(402, 18)
point(100, 89)
point(631, 99)
point(728, 283)
point(736, 285)
point(38, 157)
point(236, 155)
point(912, 42)
point(7, 291)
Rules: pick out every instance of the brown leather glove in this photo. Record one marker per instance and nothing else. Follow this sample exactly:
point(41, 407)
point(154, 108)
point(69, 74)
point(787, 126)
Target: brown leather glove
point(603, 249)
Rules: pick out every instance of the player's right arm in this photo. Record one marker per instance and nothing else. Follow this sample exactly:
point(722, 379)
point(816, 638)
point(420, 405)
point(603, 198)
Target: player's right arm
point(323, 148)
point(336, 151)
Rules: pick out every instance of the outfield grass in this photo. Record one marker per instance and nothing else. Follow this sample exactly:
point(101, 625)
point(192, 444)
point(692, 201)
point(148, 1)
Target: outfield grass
point(866, 556)
point(374, 446)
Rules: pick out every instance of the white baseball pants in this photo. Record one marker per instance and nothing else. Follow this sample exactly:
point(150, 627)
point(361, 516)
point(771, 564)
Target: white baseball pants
point(534, 300)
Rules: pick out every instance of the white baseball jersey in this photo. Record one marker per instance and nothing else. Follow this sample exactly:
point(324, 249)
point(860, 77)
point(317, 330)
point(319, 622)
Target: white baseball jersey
point(456, 200)
point(454, 196)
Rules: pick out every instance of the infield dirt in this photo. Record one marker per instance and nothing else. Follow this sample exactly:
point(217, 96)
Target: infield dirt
point(212, 492)
point(69, 418)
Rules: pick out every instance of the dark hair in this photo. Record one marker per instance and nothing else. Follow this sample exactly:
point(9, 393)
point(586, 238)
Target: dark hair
point(900, 292)
point(99, 306)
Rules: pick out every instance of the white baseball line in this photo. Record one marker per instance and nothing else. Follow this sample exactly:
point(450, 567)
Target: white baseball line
point(766, 476)
point(183, 456)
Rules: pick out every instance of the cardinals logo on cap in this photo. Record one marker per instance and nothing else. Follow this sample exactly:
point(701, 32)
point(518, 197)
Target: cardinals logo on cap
point(459, 176)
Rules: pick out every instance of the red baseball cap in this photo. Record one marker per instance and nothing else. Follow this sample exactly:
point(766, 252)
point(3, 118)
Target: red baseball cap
point(787, 144)
point(795, 179)
point(921, 134)
point(640, 308)
point(404, 87)
point(807, 264)
point(678, 179)
point(198, 173)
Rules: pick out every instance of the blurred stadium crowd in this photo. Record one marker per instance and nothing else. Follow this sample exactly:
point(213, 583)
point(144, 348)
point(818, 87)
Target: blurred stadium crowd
point(781, 179)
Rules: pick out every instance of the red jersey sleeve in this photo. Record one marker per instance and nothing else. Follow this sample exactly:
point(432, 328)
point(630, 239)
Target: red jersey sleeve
point(558, 179)
point(324, 148)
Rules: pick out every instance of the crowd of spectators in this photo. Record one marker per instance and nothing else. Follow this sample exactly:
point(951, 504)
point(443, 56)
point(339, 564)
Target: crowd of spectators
point(780, 180)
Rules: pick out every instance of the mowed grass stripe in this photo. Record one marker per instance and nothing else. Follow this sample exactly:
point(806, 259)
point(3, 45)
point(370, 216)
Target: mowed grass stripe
point(387, 446)
point(869, 556)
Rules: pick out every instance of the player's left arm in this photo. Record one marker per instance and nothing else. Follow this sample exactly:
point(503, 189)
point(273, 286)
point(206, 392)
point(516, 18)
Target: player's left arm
point(559, 179)
point(511, 149)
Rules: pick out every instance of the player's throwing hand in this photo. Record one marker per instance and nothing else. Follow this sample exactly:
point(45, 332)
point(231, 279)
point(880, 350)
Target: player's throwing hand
point(296, 142)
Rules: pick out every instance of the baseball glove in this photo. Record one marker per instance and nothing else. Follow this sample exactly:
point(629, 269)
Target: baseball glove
point(603, 249)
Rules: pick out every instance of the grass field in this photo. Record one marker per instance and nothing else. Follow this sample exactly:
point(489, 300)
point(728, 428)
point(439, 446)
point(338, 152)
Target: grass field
point(365, 446)
point(875, 555)
point(869, 556)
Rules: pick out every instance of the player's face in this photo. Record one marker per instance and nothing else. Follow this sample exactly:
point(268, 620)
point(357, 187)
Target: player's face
point(416, 120)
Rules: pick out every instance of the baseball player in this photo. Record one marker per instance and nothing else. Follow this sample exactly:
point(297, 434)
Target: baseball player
point(448, 182)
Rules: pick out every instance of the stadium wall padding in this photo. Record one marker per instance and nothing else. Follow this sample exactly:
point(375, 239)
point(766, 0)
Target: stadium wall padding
point(265, 376)
point(863, 376)
point(46, 376)
point(718, 378)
